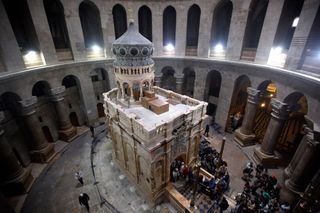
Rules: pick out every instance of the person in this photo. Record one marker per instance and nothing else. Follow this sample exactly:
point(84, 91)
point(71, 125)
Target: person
point(175, 174)
point(206, 132)
point(223, 204)
point(285, 207)
point(79, 177)
point(84, 200)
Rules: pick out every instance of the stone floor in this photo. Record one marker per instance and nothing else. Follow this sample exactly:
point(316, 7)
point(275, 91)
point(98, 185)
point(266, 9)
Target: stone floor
point(57, 190)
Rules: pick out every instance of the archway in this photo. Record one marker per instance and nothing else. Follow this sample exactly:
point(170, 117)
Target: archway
point(74, 119)
point(91, 24)
point(220, 27)
point(193, 24)
point(257, 13)
point(145, 22)
point(169, 26)
point(238, 103)
point(188, 81)
point(47, 133)
point(119, 20)
point(268, 90)
point(100, 81)
point(212, 91)
point(177, 163)
point(168, 81)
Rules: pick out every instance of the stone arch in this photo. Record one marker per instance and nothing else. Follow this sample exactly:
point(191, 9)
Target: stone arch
point(145, 22)
point(57, 23)
point(291, 133)
point(168, 81)
point(169, 26)
point(91, 24)
point(193, 24)
point(212, 91)
point(41, 88)
point(221, 23)
point(119, 20)
point(126, 90)
point(188, 81)
point(70, 81)
point(238, 102)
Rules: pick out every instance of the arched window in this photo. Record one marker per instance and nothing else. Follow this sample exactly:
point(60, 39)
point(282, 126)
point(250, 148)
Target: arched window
point(56, 19)
point(193, 29)
point(169, 26)
point(119, 20)
point(91, 24)
point(145, 22)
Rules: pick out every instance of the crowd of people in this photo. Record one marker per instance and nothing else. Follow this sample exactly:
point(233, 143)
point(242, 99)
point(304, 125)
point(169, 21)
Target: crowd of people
point(260, 192)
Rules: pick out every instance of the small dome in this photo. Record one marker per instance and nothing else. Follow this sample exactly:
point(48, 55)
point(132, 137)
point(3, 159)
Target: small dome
point(132, 48)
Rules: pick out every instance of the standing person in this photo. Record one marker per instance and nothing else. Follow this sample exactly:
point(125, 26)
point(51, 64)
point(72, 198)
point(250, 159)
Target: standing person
point(206, 132)
point(84, 200)
point(223, 204)
point(79, 177)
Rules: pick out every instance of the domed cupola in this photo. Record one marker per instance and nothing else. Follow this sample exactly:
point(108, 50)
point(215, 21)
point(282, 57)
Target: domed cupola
point(133, 66)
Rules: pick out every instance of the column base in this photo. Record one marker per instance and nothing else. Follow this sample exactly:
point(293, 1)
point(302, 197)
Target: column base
point(20, 185)
point(243, 139)
point(286, 195)
point(268, 161)
point(293, 187)
point(44, 155)
point(286, 173)
point(67, 134)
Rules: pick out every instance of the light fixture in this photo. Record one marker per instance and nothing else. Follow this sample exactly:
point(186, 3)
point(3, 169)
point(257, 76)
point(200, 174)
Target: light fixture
point(271, 95)
point(295, 22)
point(169, 47)
point(218, 48)
point(263, 105)
point(31, 55)
point(95, 48)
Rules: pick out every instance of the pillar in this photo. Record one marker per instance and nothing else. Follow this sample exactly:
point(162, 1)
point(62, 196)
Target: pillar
point(40, 150)
point(105, 24)
point(244, 135)
point(269, 29)
point(307, 165)
point(237, 29)
point(10, 53)
point(179, 84)
point(181, 31)
point(14, 178)
point(74, 29)
point(296, 157)
point(157, 31)
point(204, 33)
point(301, 34)
point(265, 154)
point(66, 130)
point(42, 29)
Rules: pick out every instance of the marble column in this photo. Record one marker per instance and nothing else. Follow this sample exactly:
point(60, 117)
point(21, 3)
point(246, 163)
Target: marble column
point(14, 178)
point(205, 29)
point(269, 29)
point(237, 29)
point(297, 156)
point(10, 53)
point(40, 150)
point(301, 34)
point(245, 135)
point(179, 84)
point(66, 130)
point(307, 165)
point(265, 154)
point(42, 29)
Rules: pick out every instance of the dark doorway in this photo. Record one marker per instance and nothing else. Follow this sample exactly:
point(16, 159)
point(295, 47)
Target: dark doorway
point(47, 133)
point(74, 119)
point(100, 110)
point(119, 20)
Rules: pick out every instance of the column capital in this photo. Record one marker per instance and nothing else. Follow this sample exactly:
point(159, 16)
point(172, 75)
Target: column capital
point(28, 106)
point(57, 94)
point(253, 95)
point(279, 109)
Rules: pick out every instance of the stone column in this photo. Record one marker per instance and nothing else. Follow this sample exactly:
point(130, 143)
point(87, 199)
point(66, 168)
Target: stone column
point(157, 31)
point(204, 31)
point(265, 154)
point(237, 29)
point(14, 178)
point(42, 29)
point(301, 34)
point(244, 135)
point(66, 130)
point(297, 156)
point(181, 31)
point(269, 29)
point(179, 84)
point(40, 150)
point(307, 165)
point(105, 24)
point(10, 53)
point(71, 10)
